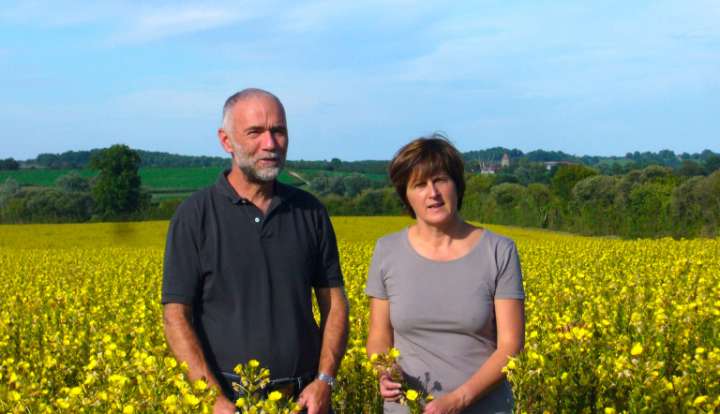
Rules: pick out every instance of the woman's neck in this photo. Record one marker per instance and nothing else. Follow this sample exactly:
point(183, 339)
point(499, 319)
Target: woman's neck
point(441, 235)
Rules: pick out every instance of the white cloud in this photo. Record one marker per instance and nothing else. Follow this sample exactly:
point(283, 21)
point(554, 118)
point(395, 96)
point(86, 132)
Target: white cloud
point(158, 23)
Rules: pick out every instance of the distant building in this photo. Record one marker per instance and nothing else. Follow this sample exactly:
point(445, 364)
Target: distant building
point(550, 164)
point(488, 168)
point(505, 162)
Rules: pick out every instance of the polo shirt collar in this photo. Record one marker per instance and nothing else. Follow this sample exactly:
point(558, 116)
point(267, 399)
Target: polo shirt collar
point(283, 192)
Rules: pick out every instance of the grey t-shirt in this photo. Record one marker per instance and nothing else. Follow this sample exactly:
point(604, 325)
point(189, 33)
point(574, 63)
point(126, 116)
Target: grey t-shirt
point(442, 312)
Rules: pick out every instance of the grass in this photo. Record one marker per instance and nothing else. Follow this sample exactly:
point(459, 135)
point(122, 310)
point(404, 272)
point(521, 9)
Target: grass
point(161, 180)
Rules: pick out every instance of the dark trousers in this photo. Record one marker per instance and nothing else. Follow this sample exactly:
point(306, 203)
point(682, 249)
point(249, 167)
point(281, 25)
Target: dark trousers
point(302, 382)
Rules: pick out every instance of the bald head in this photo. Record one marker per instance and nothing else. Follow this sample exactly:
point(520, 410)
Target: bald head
point(244, 96)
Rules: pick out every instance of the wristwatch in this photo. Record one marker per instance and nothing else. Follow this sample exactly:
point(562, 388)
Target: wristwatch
point(330, 380)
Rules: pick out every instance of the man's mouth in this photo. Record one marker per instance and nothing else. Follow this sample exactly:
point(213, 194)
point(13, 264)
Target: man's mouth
point(268, 160)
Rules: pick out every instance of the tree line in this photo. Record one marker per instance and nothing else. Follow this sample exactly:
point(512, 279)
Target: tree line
point(610, 165)
point(654, 201)
point(114, 194)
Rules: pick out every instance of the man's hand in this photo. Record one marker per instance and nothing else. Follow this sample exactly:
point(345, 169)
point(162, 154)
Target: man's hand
point(316, 397)
point(223, 406)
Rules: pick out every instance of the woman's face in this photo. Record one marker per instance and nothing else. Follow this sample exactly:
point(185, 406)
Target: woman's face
point(434, 200)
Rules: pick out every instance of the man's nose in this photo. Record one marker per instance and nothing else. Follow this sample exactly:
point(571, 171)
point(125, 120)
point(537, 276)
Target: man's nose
point(269, 140)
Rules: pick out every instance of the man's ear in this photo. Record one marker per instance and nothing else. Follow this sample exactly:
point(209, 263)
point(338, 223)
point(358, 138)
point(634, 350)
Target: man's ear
point(225, 142)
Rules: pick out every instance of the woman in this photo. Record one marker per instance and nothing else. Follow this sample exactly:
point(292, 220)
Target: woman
point(448, 295)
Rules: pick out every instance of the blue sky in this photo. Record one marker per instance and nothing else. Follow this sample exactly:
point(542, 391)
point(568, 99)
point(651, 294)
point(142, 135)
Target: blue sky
point(360, 79)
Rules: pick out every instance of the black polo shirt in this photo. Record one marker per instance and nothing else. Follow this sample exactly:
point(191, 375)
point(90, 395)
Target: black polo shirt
point(249, 276)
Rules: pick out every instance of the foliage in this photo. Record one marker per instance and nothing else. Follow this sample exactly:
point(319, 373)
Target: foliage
point(72, 182)
point(44, 206)
point(343, 185)
point(116, 190)
point(82, 159)
point(611, 324)
point(566, 177)
point(9, 164)
point(253, 381)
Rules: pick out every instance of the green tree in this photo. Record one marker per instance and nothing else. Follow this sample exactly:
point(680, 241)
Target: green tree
point(712, 164)
point(72, 182)
point(566, 177)
point(117, 188)
point(593, 205)
point(9, 164)
point(542, 200)
point(690, 168)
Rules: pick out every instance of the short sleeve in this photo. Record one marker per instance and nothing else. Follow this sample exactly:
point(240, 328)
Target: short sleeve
point(375, 285)
point(181, 268)
point(508, 284)
point(329, 273)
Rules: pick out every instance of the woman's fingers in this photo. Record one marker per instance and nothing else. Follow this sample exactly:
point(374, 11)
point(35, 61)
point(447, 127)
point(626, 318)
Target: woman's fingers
point(389, 390)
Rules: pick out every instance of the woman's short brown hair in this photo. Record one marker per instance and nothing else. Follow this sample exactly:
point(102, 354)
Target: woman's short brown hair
point(421, 159)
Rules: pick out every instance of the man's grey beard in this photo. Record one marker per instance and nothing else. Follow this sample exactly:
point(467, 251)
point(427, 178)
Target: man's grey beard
point(246, 164)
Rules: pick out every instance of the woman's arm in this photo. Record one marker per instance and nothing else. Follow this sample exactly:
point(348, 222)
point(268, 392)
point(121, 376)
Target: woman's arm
point(510, 318)
point(380, 340)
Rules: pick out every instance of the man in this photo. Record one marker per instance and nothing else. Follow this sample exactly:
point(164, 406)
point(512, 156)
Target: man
point(241, 260)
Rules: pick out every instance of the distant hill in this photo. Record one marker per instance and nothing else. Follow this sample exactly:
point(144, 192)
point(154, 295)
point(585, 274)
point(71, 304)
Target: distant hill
point(80, 159)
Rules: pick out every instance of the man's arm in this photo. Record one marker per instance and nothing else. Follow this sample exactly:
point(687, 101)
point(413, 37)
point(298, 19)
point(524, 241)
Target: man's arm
point(186, 347)
point(334, 327)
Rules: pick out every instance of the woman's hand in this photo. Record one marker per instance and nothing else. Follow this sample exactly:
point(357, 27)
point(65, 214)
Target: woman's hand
point(447, 404)
point(389, 389)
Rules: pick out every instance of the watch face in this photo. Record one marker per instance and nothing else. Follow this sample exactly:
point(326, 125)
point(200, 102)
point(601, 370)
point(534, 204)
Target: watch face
point(327, 378)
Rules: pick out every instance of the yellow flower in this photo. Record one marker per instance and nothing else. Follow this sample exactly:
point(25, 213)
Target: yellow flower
point(411, 395)
point(275, 396)
point(200, 385)
point(373, 357)
point(610, 410)
point(636, 350)
point(63, 403)
point(170, 401)
point(253, 363)
point(394, 353)
point(128, 409)
point(75, 391)
point(699, 400)
point(190, 399)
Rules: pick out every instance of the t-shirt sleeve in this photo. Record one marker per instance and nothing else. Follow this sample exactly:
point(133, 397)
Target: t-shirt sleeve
point(181, 269)
point(375, 285)
point(329, 273)
point(508, 284)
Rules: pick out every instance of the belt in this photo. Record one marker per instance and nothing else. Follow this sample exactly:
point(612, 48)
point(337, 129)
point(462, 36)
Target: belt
point(288, 386)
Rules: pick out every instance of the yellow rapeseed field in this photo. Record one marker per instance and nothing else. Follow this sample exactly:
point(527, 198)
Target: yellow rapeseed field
point(612, 326)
